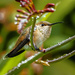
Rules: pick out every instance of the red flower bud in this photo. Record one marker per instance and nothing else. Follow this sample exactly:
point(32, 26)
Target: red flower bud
point(49, 10)
point(49, 5)
point(31, 11)
point(18, 0)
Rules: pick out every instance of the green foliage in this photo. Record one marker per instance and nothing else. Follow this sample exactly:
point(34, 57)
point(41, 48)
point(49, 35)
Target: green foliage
point(64, 12)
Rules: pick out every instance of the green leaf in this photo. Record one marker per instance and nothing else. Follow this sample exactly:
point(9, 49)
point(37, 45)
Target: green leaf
point(14, 61)
point(44, 17)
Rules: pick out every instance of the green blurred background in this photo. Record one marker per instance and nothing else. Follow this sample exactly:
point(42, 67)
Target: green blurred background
point(8, 36)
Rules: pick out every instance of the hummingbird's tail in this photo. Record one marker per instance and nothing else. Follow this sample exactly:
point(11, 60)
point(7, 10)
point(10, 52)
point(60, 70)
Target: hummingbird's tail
point(16, 51)
point(15, 54)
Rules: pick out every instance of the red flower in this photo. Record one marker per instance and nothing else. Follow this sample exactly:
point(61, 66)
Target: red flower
point(22, 20)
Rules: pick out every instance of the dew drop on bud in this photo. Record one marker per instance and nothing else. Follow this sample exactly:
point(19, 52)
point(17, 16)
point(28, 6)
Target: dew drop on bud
point(15, 23)
point(15, 18)
point(20, 5)
point(37, 17)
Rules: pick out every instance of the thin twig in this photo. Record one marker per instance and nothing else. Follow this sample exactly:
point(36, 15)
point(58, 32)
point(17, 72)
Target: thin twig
point(62, 57)
point(60, 44)
point(37, 56)
point(31, 35)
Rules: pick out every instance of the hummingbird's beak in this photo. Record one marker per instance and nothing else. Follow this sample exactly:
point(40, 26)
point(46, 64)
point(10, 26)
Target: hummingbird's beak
point(54, 23)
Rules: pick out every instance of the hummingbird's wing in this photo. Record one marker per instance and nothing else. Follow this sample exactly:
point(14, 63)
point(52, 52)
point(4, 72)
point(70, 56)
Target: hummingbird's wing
point(22, 40)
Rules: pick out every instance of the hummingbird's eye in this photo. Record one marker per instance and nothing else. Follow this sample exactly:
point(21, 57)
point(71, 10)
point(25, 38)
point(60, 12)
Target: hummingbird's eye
point(42, 24)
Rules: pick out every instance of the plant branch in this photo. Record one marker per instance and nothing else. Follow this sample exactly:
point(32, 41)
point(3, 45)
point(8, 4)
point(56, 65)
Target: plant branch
point(62, 57)
point(31, 59)
point(60, 44)
point(31, 35)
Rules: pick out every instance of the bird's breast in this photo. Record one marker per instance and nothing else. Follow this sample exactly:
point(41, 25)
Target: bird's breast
point(38, 38)
point(40, 35)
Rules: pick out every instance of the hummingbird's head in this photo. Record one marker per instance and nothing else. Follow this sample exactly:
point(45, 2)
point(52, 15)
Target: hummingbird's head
point(45, 23)
point(45, 27)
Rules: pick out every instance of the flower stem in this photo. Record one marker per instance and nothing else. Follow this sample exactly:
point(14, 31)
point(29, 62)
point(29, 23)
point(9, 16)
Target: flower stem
point(31, 35)
point(65, 56)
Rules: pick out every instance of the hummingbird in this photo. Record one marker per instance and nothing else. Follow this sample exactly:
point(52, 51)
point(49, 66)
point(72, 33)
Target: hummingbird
point(42, 31)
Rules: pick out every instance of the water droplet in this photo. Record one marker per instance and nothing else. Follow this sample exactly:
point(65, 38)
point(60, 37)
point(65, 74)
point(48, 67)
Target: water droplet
point(59, 43)
point(37, 17)
point(20, 1)
point(28, 0)
point(16, 23)
point(26, 16)
point(53, 9)
point(20, 5)
point(23, 62)
point(32, 18)
point(66, 54)
point(4, 58)
point(24, 20)
point(17, 15)
point(23, 3)
point(19, 64)
point(15, 18)
point(41, 13)
point(35, 28)
point(54, 59)
point(61, 57)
